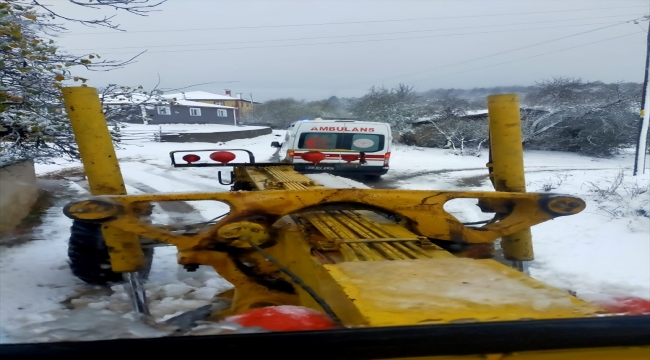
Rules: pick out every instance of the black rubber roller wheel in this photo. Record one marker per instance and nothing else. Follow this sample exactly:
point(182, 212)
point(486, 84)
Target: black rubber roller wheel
point(88, 255)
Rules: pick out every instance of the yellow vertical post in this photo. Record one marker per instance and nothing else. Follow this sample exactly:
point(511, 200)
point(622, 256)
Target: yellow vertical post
point(102, 169)
point(507, 164)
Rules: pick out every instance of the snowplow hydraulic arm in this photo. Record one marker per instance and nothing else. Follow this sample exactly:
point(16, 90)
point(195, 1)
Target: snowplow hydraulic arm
point(260, 209)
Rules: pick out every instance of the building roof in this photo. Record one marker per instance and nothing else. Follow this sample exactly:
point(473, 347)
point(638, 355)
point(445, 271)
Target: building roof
point(144, 99)
point(200, 104)
point(200, 95)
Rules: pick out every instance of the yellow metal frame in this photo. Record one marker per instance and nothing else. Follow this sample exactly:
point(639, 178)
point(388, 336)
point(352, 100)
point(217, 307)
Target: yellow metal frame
point(424, 209)
point(260, 217)
point(507, 165)
point(283, 218)
point(102, 170)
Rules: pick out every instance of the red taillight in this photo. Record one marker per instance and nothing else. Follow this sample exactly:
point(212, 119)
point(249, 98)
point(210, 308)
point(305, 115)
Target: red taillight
point(386, 159)
point(190, 158)
point(350, 157)
point(314, 156)
point(223, 157)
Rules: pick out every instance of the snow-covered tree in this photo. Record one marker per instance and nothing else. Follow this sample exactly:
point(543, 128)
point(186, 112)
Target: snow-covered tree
point(443, 124)
point(330, 107)
point(33, 124)
point(399, 107)
point(124, 104)
point(587, 117)
point(462, 136)
point(446, 104)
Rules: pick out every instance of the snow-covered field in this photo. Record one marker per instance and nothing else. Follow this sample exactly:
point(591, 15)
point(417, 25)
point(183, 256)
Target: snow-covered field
point(602, 252)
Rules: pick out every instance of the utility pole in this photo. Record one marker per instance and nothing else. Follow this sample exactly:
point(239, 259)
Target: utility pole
point(641, 144)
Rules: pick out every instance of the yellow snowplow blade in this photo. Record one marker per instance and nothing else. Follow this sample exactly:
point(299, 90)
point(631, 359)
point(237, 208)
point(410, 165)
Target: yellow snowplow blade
point(437, 291)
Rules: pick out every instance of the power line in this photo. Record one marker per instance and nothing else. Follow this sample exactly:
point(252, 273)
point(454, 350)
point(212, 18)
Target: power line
point(533, 56)
point(363, 41)
point(501, 52)
point(351, 41)
point(206, 83)
point(354, 35)
point(351, 22)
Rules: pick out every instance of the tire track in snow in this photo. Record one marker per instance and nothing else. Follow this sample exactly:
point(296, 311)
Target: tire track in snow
point(180, 207)
point(391, 182)
point(166, 181)
point(176, 210)
point(185, 177)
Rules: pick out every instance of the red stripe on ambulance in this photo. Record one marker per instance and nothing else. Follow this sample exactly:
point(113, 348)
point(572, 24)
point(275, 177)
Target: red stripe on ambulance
point(338, 156)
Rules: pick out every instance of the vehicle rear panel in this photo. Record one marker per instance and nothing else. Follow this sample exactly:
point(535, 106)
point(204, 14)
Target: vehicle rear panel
point(350, 147)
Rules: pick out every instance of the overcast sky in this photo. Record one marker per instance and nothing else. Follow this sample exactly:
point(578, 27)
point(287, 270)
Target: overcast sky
point(312, 49)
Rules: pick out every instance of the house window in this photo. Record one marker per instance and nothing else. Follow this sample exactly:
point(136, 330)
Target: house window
point(164, 110)
point(218, 103)
point(222, 113)
point(195, 112)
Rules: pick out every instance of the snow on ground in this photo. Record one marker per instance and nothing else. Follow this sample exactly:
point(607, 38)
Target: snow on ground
point(408, 162)
point(156, 154)
point(602, 252)
point(35, 278)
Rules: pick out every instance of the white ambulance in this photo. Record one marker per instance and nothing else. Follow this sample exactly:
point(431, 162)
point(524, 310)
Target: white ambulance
point(337, 146)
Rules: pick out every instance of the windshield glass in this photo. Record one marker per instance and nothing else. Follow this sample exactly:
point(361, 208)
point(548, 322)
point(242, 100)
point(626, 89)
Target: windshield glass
point(180, 168)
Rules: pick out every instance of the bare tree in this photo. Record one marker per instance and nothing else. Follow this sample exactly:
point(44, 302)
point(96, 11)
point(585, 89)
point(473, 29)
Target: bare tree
point(136, 7)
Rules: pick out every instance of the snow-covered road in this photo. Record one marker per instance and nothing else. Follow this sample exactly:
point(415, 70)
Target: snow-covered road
point(602, 252)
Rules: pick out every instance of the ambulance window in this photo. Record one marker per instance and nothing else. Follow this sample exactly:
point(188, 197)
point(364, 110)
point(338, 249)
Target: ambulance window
point(366, 142)
point(318, 141)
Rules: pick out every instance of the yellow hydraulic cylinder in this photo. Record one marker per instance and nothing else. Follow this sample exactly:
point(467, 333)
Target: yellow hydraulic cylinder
point(102, 169)
point(507, 164)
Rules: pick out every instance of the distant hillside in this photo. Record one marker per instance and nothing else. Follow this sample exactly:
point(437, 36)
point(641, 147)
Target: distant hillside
point(477, 93)
point(482, 92)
